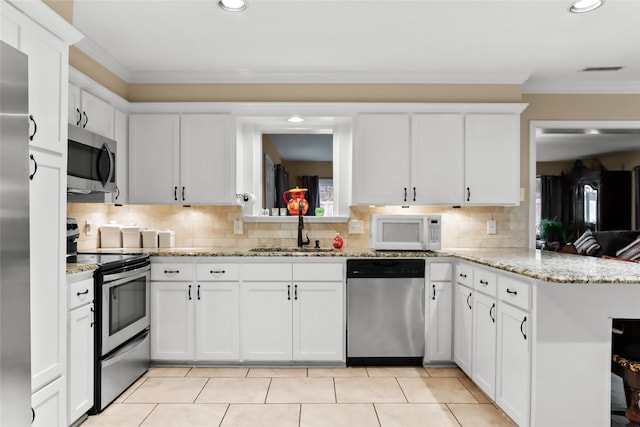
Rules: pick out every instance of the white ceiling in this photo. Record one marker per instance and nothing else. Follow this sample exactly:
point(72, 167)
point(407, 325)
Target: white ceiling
point(574, 144)
point(535, 42)
point(303, 147)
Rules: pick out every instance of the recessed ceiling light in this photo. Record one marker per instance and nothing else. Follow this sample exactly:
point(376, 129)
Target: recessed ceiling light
point(233, 5)
point(581, 6)
point(295, 119)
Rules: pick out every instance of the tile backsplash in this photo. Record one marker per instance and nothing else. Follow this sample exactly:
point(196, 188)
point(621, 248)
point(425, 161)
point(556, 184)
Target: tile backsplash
point(212, 226)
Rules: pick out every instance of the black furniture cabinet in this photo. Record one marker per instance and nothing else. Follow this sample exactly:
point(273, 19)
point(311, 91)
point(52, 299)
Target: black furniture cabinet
point(599, 200)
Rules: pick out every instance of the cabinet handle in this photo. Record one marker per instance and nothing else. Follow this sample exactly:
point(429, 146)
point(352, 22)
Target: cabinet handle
point(493, 319)
point(509, 291)
point(434, 293)
point(35, 127)
point(35, 167)
point(183, 194)
point(117, 192)
point(79, 117)
point(484, 282)
point(414, 194)
point(171, 271)
point(468, 298)
point(93, 317)
point(468, 194)
point(198, 292)
point(189, 292)
point(288, 292)
point(175, 193)
point(464, 276)
point(295, 292)
point(33, 415)
point(521, 327)
point(86, 119)
point(405, 194)
point(217, 271)
point(86, 291)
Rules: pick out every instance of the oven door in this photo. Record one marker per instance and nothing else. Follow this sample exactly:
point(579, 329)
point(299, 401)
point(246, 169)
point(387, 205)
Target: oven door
point(125, 307)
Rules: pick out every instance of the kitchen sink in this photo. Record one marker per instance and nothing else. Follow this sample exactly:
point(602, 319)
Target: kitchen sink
point(292, 249)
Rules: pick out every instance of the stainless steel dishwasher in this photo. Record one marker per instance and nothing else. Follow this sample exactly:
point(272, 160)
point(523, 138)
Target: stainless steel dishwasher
point(385, 312)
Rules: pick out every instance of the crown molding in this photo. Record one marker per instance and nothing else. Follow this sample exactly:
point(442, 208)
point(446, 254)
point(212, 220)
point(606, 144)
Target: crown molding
point(570, 87)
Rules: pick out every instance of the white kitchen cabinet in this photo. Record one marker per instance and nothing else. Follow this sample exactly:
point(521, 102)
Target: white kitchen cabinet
point(437, 159)
point(121, 135)
point(47, 214)
point(513, 379)
point(463, 328)
point(492, 159)
point(484, 343)
point(172, 327)
point(439, 294)
point(48, 405)
point(181, 159)
point(217, 321)
point(297, 315)
point(90, 112)
point(381, 159)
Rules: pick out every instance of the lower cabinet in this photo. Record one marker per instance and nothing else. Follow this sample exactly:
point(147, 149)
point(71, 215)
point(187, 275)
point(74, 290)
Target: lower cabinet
point(439, 295)
point(171, 321)
point(216, 321)
point(48, 405)
point(484, 344)
point(463, 327)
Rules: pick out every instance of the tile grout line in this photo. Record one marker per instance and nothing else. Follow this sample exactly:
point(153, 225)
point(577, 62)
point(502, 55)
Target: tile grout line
point(401, 389)
point(266, 395)
point(226, 411)
point(469, 390)
point(375, 409)
point(201, 390)
point(453, 414)
point(147, 416)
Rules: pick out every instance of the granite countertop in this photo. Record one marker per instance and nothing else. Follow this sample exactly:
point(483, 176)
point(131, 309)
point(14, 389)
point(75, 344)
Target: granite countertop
point(540, 265)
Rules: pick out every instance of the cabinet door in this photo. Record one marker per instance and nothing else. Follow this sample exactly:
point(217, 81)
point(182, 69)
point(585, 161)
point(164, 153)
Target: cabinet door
point(492, 159)
point(97, 115)
point(172, 320)
point(48, 405)
point(121, 135)
point(48, 84)
point(265, 322)
point(318, 321)
point(440, 296)
point(154, 154)
point(80, 364)
point(463, 334)
point(207, 161)
point(513, 388)
point(437, 159)
point(484, 344)
point(381, 159)
point(74, 108)
point(47, 212)
point(217, 321)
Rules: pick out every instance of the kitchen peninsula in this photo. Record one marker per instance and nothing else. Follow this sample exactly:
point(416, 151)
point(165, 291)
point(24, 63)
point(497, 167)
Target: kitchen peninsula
point(550, 327)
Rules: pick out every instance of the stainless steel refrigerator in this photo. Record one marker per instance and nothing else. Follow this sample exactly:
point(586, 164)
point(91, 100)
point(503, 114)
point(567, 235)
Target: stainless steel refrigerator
point(15, 345)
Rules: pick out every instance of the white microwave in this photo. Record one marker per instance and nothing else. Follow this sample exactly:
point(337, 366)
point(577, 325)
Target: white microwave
point(405, 232)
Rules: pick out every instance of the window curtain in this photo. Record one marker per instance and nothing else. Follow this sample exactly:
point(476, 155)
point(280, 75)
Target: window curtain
point(636, 179)
point(551, 197)
point(313, 193)
point(282, 185)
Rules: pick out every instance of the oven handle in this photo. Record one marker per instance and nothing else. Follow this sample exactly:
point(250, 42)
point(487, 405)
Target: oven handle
point(126, 274)
point(122, 352)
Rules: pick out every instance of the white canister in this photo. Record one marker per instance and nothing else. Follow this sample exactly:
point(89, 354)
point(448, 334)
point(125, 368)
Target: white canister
point(149, 238)
point(166, 239)
point(110, 236)
point(131, 236)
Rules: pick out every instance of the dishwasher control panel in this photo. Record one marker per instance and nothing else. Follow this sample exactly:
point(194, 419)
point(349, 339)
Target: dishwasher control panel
point(392, 269)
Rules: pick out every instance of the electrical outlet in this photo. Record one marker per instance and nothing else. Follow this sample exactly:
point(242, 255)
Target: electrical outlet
point(356, 226)
point(237, 227)
point(89, 228)
point(491, 226)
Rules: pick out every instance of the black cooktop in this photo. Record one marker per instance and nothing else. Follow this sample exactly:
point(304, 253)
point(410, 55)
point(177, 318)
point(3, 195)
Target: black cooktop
point(109, 260)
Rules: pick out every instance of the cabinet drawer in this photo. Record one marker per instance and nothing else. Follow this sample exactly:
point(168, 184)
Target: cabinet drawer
point(485, 281)
point(464, 274)
point(80, 293)
point(514, 292)
point(266, 272)
point(318, 272)
point(172, 271)
point(217, 272)
point(440, 271)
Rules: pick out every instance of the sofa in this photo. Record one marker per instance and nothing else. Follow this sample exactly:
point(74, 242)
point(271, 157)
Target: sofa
point(610, 242)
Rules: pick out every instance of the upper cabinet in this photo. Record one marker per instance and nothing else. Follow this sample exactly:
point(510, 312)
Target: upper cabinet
point(438, 158)
point(90, 112)
point(47, 49)
point(181, 159)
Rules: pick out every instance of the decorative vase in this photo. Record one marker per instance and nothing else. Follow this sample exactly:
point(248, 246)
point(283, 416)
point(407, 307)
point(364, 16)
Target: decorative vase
point(294, 198)
point(338, 242)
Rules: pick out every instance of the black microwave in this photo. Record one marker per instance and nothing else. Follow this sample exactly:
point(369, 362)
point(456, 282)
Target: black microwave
point(91, 162)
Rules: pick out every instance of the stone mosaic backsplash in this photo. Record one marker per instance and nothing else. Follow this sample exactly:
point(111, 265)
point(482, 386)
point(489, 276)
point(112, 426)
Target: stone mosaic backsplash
point(212, 226)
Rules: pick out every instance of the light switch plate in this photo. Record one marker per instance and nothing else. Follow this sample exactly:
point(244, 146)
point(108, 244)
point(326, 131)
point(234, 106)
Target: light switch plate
point(90, 228)
point(491, 226)
point(522, 194)
point(237, 227)
point(356, 226)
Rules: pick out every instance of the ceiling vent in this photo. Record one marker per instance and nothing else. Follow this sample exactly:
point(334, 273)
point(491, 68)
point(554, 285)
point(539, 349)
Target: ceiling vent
point(613, 68)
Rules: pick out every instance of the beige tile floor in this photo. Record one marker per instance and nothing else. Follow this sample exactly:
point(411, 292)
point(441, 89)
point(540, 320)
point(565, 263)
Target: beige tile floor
point(301, 397)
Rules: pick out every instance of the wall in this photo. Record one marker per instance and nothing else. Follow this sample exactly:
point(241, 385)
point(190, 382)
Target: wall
point(212, 226)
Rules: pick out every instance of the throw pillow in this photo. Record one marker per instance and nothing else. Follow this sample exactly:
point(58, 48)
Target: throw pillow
point(587, 244)
point(631, 251)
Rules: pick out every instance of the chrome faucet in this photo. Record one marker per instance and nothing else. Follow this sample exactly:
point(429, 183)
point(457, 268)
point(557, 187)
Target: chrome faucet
point(301, 242)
